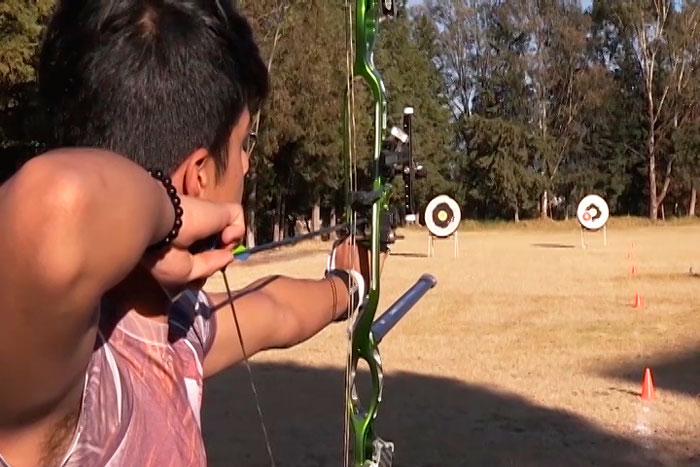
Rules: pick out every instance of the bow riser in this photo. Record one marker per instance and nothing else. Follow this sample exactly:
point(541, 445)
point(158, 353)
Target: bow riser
point(363, 346)
point(370, 450)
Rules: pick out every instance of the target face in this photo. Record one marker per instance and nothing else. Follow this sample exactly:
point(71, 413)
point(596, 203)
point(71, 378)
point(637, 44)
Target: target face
point(593, 212)
point(442, 216)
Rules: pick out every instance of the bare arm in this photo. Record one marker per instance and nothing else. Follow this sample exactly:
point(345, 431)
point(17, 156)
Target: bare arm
point(70, 231)
point(274, 312)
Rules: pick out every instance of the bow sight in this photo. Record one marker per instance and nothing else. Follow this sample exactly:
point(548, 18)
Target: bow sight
point(397, 159)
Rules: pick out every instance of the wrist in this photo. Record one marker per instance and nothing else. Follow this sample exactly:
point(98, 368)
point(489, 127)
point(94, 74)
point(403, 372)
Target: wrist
point(354, 287)
point(175, 202)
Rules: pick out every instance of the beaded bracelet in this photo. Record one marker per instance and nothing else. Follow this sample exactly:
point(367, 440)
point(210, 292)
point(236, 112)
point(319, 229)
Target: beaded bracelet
point(175, 200)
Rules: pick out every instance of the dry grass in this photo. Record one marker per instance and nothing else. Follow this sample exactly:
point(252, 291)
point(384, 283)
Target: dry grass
point(527, 353)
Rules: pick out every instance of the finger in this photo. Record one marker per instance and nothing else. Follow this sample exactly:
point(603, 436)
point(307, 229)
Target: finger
point(235, 228)
point(233, 234)
point(209, 262)
point(202, 219)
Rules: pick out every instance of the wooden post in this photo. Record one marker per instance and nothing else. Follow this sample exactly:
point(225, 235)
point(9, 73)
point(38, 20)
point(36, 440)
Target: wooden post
point(456, 240)
point(605, 235)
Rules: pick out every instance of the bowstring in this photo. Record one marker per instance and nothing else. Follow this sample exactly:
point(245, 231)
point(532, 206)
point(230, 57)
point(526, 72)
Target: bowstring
point(250, 371)
point(352, 186)
point(249, 150)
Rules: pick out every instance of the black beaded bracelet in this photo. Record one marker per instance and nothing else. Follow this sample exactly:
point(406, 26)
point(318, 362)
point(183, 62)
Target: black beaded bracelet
point(175, 200)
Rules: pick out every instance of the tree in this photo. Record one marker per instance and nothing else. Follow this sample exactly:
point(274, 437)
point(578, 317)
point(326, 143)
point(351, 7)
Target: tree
point(413, 80)
point(21, 23)
point(500, 166)
point(662, 40)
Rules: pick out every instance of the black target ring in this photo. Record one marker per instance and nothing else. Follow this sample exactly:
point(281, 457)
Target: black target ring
point(443, 215)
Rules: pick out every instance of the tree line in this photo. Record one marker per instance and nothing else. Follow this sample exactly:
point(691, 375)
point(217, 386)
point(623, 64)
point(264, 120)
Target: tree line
point(522, 106)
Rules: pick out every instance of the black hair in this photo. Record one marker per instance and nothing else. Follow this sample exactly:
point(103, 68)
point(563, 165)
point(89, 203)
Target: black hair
point(153, 80)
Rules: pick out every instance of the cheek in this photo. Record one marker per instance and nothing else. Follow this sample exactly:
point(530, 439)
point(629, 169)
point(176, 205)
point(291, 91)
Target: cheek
point(245, 162)
point(236, 173)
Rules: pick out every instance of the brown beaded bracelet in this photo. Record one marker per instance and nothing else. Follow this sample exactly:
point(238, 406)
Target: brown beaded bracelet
point(175, 200)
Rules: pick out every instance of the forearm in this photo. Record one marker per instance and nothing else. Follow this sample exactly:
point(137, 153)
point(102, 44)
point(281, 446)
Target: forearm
point(305, 306)
point(273, 312)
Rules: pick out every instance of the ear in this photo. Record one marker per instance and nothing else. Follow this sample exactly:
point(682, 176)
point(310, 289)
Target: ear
point(196, 173)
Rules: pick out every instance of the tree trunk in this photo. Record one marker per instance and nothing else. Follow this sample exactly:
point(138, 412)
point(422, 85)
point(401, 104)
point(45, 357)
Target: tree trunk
point(276, 225)
point(651, 150)
point(333, 221)
point(663, 212)
point(544, 212)
point(516, 216)
point(653, 202)
point(283, 220)
point(276, 231)
point(251, 204)
point(279, 229)
point(316, 216)
point(693, 199)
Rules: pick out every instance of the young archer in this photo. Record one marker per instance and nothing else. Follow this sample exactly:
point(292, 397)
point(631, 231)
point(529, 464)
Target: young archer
point(100, 367)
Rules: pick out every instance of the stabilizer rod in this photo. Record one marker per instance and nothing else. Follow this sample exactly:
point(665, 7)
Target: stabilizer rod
point(400, 307)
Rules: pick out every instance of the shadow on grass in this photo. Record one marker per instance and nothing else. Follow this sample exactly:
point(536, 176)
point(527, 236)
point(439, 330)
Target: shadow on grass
point(677, 372)
point(409, 255)
point(433, 421)
point(552, 245)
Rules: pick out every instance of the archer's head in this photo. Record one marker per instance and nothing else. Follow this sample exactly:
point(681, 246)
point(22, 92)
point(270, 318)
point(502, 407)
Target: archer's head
point(171, 84)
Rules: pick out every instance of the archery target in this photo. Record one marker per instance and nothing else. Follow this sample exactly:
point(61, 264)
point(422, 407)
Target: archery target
point(593, 212)
point(442, 216)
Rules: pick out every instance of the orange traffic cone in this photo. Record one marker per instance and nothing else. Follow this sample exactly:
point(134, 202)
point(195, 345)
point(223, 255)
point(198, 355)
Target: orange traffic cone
point(648, 392)
point(633, 271)
point(637, 301)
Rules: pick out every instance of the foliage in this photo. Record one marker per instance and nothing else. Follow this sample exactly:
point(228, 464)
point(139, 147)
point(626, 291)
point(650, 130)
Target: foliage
point(512, 100)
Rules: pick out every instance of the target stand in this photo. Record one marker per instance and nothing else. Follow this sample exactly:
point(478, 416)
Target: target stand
point(431, 244)
point(593, 214)
point(442, 217)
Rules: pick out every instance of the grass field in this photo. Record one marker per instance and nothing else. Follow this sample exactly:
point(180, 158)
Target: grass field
point(527, 353)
